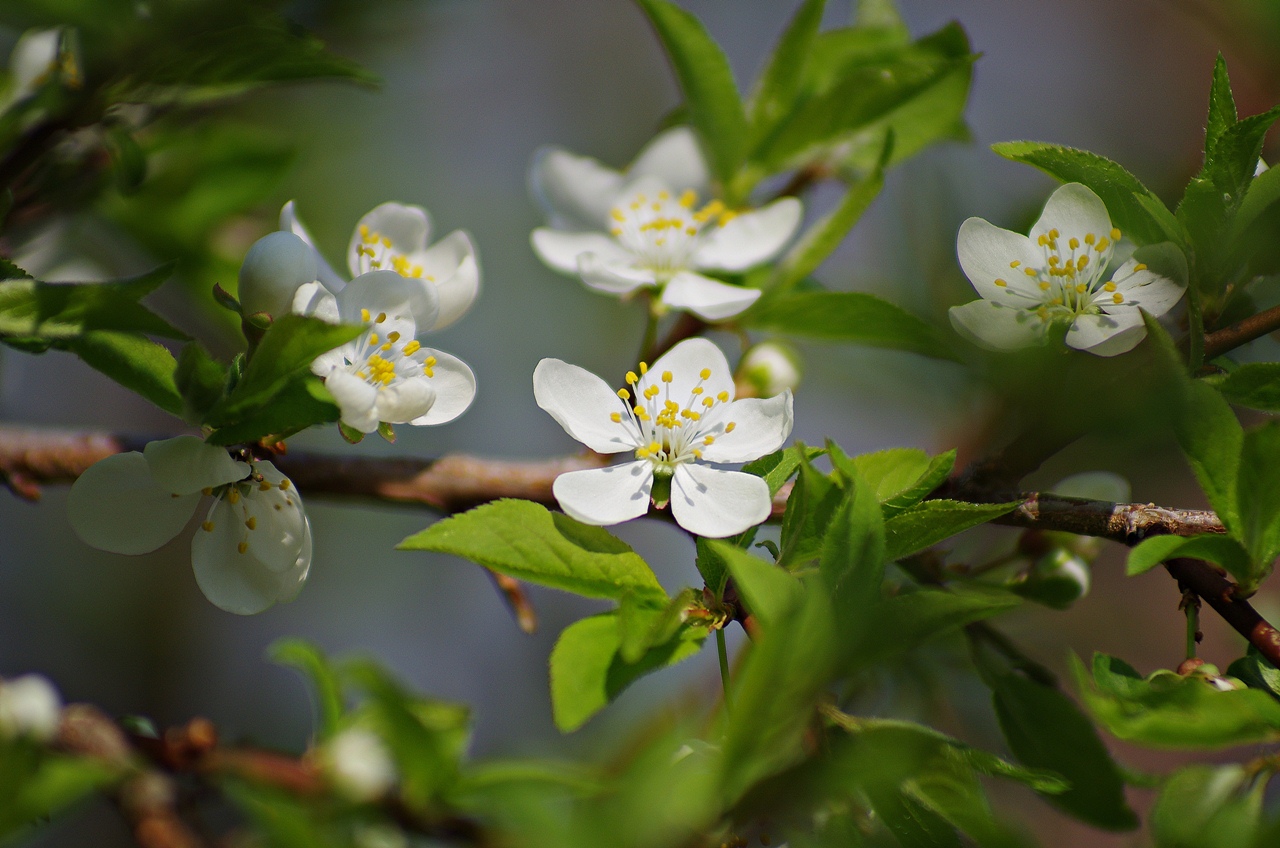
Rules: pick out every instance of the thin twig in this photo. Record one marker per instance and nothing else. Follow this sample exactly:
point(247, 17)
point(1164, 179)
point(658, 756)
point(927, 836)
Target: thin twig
point(1242, 332)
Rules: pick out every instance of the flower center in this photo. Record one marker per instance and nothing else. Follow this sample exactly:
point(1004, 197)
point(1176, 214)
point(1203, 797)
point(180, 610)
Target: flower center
point(380, 360)
point(1072, 279)
point(663, 231)
point(668, 432)
point(237, 495)
point(376, 253)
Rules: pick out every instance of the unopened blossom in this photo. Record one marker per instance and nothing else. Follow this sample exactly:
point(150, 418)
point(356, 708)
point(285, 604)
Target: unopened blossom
point(674, 417)
point(359, 764)
point(29, 706)
point(767, 369)
point(386, 375)
point(660, 239)
point(1062, 274)
point(444, 277)
point(276, 266)
point(253, 548)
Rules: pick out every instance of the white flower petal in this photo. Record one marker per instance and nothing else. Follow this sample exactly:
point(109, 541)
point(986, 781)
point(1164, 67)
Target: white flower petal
point(404, 400)
point(116, 505)
point(709, 299)
point(761, 426)
point(987, 253)
point(289, 584)
point(996, 327)
point(186, 464)
point(603, 496)
point(235, 581)
point(455, 389)
point(1107, 335)
point(407, 227)
point(676, 158)
point(1156, 288)
point(613, 276)
point(279, 522)
point(291, 223)
point(576, 191)
point(451, 266)
point(715, 503)
point(750, 238)
point(686, 361)
point(356, 399)
point(274, 268)
point(315, 300)
point(409, 308)
point(1074, 211)
point(32, 59)
point(561, 250)
point(581, 403)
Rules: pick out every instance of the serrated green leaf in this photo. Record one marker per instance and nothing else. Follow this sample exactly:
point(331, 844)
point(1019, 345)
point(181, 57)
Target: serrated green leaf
point(780, 81)
point(325, 689)
point(903, 477)
point(1235, 155)
point(1223, 550)
point(1046, 730)
point(1121, 191)
point(931, 522)
point(525, 540)
point(1222, 107)
point(587, 672)
point(643, 625)
point(814, 499)
point(706, 79)
point(1255, 385)
point(852, 559)
point(65, 310)
point(1259, 499)
point(853, 317)
point(133, 361)
point(776, 468)
point(903, 622)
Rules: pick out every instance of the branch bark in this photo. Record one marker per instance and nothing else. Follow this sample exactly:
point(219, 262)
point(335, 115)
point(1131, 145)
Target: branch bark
point(1253, 327)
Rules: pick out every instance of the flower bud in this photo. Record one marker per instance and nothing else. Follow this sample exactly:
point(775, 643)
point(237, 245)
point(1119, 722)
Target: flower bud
point(273, 269)
point(768, 369)
point(359, 764)
point(1058, 579)
point(29, 706)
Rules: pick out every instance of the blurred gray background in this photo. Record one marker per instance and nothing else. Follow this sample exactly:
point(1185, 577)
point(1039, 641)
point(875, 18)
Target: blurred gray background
point(473, 87)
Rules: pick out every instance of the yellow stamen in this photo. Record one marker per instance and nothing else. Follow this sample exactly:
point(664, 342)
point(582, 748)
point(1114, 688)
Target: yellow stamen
point(242, 547)
point(624, 394)
point(207, 526)
point(251, 522)
point(412, 347)
point(1001, 283)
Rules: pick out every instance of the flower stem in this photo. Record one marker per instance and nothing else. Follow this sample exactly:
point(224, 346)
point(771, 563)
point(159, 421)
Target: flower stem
point(1191, 605)
point(723, 653)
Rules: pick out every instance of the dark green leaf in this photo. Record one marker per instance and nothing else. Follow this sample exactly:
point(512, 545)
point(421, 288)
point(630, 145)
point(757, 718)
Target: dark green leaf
point(931, 522)
point(1255, 385)
point(303, 402)
point(133, 361)
point(1223, 550)
point(326, 689)
point(853, 317)
point(527, 541)
point(712, 567)
point(770, 592)
point(852, 559)
point(1259, 499)
point(642, 625)
point(1257, 672)
point(904, 621)
point(1123, 194)
point(707, 82)
point(1205, 806)
point(1235, 156)
point(814, 499)
point(780, 81)
point(1222, 107)
point(200, 380)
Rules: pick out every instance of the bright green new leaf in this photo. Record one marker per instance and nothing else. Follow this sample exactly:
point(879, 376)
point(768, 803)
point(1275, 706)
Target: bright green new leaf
point(1259, 499)
point(303, 402)
point(852, 560)
point(525, 540)
point(1046, 730)
point(904, 621)
point(1223, 550)
point(200, 380)
point(931, 522)
point(1167, 710)
point(326, 688)
point(35, 785)
point(1203, 806)
point(770, 593)
point(1121, 191)
point(1235, 155)
point(780, 81)
point(642, 625)
point(814, 499)
point(853, 317)
point(1253, 226)
point(587, 671)
point(712, 566)
point(133, 361)
point(904, 476)
point(1254, 384)
point(1257, 672)
point(706, 79)
point(776, 468)
point(59, 311)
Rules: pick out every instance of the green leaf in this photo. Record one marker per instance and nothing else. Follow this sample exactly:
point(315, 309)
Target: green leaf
point(303, 402)
point(814, 499)
point(707, 82)
point(1223, 550)
point(852, 559)
point(642, 626)
point(951, 790)
point(780, 81)
point(853, 317)
point(56, 311)
point(904, 476)
point(776, 468)
point(712, 566)
point(587, 671)
point(1235, 156)
point(326, 688)
point(1254, 384)
point(200, 380)
point(525, 540)
point(1257, 672)
point(35, 785)
point(1046, 730)
point(1259, 499)
point(879, 14)
point(770, 592)
point(904, 621)
point(133, 361)
point(931, 522)
point(1204, 806)
point(286, 350)
point(1254, 218)
point(1168, 710)
point(1222, 107)
point(1133, 207)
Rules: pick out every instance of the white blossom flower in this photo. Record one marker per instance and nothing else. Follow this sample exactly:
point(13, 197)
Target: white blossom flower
point(394, 237)
point(29, 706)
point(386, 375)
point(35, 57)
point(1059, 275)
point(577, 192)
point(659, 240)
point(253, 548)
point(675, 417)
point(767, 369)
point(276, 266)
point(359, 763)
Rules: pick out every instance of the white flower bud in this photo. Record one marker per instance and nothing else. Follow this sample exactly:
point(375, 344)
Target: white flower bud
point(359, 764)
point(273, 270)
point(29, 706)
point(768, 369)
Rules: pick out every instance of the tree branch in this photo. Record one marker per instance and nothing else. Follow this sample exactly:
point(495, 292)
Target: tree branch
point(1242, 332)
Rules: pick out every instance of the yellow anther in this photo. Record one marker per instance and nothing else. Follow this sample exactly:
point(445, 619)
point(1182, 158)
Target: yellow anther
point(1030, 272)
point(691, 231)
point(615, 417)
point(654, 447)
point(364, 230)
point(723, 397)
point(1090, 238)
point(1057, 301)
point(1081, 288)
point(728, 428)
point(640, 198)
point(1109, 285)
point(708, 402)
point(386, 346)
point(1082, 261)
point(706, 440)
point(264, 486)
point(1043, 313)
point(206, 526)
point(1073, 243)
point(1045, 286)
point(364, 315)
point(1117, 297)
point(657, 207)
point(705, 373)
point(1102, 245)
point(412, 347)
point(697, 453)
point(382, 316)
point(206, 491)
point(386, 242)
point(726, 217)
point(617, 231)
point(284, 484)
point(624, 394)
point(639, 411)
point(696, 390)
point(1001, 283)
point(652, 392)
point(688, 198)
point(1054, 260)
point(631, 377)
point(242, 547)
point(393, 336)
point(233, 496)
point(1139, 267)
point(1115, 234)
point(373, 339)
point(644, 368)
point(667, 376)
point(1042, 240)
point(1053, 234)
point(616, 214)
point(251, 522)
point(659, 242)
point(1015, 263)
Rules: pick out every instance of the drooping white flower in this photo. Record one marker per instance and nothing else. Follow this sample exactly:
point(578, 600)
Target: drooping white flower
point(359, 763)
point(386, 375)
point(659, 240)
point(675, 417)
point(253, 548)
point(394, 237)
point(275, 267)
point(1059, 275)
point(29, 706)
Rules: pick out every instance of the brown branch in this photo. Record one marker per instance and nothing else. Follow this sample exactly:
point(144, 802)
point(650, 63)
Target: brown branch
point(1255, 326)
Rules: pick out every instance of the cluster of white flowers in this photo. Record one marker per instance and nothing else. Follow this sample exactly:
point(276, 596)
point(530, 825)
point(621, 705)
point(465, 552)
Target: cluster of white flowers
point(645, 229)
